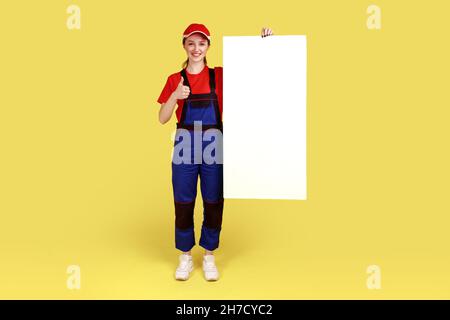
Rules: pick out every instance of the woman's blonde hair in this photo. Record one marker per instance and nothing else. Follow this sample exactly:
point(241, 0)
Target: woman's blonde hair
point(185, 63)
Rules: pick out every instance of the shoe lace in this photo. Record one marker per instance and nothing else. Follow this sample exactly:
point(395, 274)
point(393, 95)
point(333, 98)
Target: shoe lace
point(183, 264)
point(210, 266)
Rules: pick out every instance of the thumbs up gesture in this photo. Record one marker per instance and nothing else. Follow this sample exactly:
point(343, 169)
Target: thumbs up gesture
point(182, 91)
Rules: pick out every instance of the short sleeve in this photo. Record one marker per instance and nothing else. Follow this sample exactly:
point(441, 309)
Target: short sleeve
point(166, 92)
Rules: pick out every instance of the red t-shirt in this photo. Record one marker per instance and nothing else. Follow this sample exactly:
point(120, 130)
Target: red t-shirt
point(199, 84)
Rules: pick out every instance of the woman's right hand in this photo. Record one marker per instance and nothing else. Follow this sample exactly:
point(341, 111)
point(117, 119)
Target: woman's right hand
point(182, 91)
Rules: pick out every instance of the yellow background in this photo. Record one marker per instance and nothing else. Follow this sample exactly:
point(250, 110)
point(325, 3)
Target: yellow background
point(85, 164)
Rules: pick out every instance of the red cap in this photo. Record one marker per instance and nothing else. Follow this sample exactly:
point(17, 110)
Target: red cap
point(196, 28)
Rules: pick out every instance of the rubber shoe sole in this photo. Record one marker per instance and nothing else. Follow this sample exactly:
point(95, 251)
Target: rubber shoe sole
point(183, 277)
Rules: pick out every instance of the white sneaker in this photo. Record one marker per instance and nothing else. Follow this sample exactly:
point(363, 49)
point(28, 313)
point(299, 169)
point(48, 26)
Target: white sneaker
point(185, 267)
point(209, 268)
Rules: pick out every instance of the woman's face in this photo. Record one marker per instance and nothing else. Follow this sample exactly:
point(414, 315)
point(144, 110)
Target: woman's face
point(196, 47)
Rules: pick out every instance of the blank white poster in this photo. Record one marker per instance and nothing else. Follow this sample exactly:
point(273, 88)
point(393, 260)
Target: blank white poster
point(264, 117)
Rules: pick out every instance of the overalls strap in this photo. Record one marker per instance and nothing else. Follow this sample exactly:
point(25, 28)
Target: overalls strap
point(212, 80)
point(185, 81)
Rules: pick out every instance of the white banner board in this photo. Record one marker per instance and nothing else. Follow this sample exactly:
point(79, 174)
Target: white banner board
point(264, 117)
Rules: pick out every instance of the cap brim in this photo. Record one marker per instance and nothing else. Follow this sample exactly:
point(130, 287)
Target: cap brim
point(190, 34)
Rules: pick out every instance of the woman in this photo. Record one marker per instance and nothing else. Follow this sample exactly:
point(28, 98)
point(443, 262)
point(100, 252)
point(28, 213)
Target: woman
point(197, 90)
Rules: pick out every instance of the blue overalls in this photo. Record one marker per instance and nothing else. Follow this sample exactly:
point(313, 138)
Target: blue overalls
point(204, 108)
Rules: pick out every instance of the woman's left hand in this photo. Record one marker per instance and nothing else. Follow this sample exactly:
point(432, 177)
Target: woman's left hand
point(266, 32)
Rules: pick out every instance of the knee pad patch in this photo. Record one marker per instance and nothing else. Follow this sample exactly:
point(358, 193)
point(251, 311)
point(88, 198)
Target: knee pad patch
point(213, 214)
point(184, 215)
